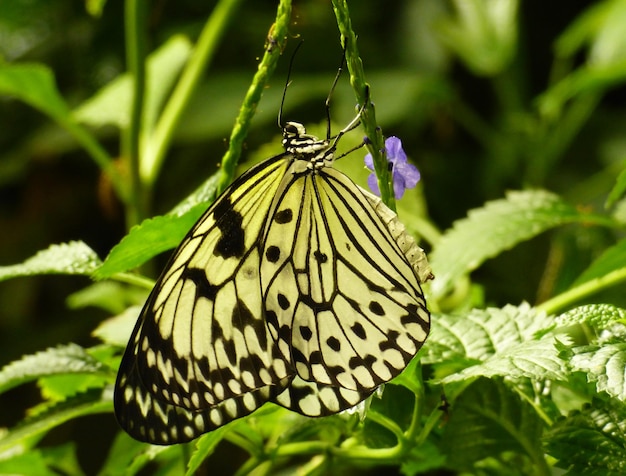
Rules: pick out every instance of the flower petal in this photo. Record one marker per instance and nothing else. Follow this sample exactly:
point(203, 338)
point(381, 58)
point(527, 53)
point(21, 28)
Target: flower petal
point(369, 161)
point(372, 183)
point(409, 172)
point(395, 152)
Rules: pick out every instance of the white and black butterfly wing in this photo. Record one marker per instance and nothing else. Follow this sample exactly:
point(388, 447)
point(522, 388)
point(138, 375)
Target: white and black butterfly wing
point(201, 354)
point(342, 299)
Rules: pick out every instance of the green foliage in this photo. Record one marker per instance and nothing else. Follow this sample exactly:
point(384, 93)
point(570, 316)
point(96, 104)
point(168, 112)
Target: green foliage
point(499, 387)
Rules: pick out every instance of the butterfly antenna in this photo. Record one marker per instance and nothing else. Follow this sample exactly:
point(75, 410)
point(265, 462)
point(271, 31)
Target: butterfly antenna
point(287, 82)
point(332, 89)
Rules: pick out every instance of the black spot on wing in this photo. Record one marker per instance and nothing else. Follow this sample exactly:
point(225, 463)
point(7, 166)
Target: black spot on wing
point(283, 216)
point(320, 257)
point(306, 333)
point(283, 302)
point(229, 221)
point(272, 254)
point(376, 308)
point(359, 330)
point(333, 343)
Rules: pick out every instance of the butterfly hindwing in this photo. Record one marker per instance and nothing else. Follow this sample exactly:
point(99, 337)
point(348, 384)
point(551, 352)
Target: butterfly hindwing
point(200, 354)
point(340, 294)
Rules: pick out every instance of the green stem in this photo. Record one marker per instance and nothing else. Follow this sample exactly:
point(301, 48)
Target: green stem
point(581, 291)
point(387, 423)
point(374, 133)
point(134, 279)
point(201, 56)
point(135, 58)
point(274, 46)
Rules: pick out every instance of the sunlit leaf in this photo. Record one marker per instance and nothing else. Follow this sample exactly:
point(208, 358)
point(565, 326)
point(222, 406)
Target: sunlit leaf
point(74, 257)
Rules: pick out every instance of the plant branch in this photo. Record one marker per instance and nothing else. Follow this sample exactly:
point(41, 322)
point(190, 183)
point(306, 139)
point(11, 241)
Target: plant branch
point(376, 144)
point(274, 46)
point(135, 58)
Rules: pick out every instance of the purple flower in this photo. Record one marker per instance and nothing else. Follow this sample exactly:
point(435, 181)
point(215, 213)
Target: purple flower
point(405, 175)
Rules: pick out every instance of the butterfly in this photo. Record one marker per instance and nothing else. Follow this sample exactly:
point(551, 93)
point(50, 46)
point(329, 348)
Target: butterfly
point(296, 287)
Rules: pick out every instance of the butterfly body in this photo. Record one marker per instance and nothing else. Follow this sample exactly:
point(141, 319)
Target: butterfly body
point(296, 286)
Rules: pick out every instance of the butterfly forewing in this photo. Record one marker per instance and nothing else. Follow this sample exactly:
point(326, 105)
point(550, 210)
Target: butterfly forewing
point(200, 354)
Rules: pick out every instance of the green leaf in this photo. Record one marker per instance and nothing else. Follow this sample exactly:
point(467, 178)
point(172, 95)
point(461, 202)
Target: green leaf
point(508, 342)
point(116, 330)
point(121, 454)
point(533, 359)
point(488, 419)
point(482, 333)
point(163, 68)
point(483, 35)
point(205, 446)
point(35, 85)
point(165, 455)
point(146, 240)
point(158, 234)
point(617, 191)
point(600, 316)
point(423, 459)
point(31, 462)
point(61, 360)
point(612, 259)
point(113, 297)
point(88, 403)
point(605, 365)
point(590, 442)
point(498, 226)
point(74, 257)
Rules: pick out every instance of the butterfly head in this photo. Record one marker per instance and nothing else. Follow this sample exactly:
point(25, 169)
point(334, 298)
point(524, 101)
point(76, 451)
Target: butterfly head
point(302, 145)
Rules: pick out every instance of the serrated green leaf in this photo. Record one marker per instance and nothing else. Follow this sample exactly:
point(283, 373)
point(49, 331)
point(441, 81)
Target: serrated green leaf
point(482, 333)
point(488, 419)
point(35, 85)
point(600, 316)
point(88, 403)
point(605, 365)
point(613, 259)
point(74, 257)
point(146, 240)
point(591, 441)
point(532, 359)
point(508, 342)
point(59, 360)
point(497, 226)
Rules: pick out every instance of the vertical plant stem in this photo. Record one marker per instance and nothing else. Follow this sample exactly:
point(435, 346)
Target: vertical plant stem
point(374, 133)
point(135, 16)
point(211, 34)
point(275, 44)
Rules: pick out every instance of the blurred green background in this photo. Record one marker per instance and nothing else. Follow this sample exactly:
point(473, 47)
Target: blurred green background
point(529, 97)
